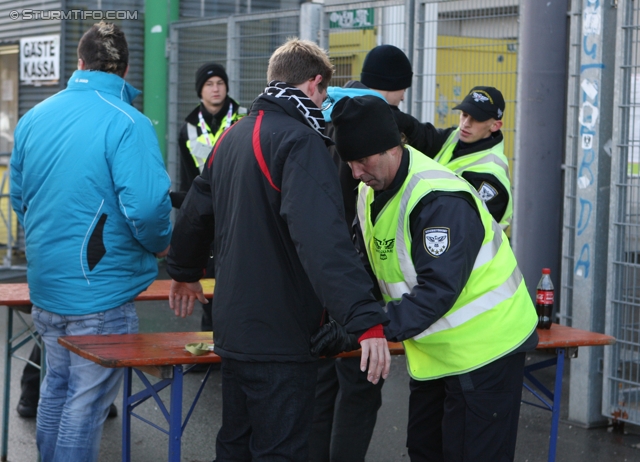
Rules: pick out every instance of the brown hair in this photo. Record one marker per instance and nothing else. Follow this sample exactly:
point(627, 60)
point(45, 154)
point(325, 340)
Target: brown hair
point(104, 48)
point(297, 61)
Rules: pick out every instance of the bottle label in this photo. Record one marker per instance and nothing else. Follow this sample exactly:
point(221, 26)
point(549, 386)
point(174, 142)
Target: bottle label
point(544, 297)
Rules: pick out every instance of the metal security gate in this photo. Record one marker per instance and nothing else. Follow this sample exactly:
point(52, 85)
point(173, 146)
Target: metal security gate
point(622, 388)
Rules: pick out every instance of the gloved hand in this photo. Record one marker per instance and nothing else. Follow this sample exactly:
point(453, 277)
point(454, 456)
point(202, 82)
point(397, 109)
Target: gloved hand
point(332, 339)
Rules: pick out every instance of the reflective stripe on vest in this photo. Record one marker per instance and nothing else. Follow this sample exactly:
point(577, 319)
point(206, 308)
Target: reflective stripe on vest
point(200, 146)
point(493, 314)
point(490, 161)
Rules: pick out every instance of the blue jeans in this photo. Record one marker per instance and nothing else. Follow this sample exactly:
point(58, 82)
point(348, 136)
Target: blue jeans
point(76, 393)
point(267, 409)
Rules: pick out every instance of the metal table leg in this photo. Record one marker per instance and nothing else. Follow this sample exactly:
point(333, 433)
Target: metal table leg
point(555, 412)
point(7, 386)
point(126, 418)
point(173, 415)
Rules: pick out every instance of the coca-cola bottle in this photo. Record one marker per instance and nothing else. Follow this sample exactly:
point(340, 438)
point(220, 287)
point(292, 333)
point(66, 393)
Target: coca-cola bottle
point(544, 300)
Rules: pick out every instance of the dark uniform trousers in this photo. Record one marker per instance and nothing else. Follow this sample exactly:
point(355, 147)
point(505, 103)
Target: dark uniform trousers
point(467, 418)
point(345, 412)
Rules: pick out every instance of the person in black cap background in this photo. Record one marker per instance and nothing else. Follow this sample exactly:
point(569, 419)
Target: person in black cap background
point(202, 128)
point(347, 404)
point(453, 292)
point(474, 149)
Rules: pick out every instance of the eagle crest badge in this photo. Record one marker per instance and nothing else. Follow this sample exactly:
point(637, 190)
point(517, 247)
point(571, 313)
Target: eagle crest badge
point(436, 241)
point(487, 192)
point(384, 246)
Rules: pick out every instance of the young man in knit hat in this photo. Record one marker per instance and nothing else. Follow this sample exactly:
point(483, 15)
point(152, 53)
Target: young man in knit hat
point(270, 200)
point(346, 403)
point(453, 291)
point(203, 126)
point(474, 149)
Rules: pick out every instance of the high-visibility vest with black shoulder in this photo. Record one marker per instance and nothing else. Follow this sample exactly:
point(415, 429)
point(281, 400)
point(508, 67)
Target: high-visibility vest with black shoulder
point(494, 313)
point(201, 145)
point(490, 161)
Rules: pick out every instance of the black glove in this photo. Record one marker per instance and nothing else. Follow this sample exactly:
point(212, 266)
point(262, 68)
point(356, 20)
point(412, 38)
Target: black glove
point(332, 339)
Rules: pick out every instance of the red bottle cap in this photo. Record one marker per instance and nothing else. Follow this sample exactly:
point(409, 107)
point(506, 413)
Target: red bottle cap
point(546, 270)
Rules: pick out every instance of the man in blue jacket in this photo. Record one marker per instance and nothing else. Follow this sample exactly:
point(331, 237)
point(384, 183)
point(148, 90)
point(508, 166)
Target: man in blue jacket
point(92, 193)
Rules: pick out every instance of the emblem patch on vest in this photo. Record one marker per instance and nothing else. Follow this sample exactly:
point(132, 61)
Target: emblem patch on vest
point(487, 192)
point(436, 241)
point(384, 246)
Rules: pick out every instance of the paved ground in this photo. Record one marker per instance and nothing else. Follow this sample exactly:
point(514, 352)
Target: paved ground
point(149, 445)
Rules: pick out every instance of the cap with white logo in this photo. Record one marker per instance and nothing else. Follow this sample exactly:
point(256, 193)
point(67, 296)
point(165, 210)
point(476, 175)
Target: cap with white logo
point(483, 103)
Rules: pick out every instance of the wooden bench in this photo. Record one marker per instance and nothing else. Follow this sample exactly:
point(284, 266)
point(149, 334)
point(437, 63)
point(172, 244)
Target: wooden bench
point(16, 298)
point(164, 355)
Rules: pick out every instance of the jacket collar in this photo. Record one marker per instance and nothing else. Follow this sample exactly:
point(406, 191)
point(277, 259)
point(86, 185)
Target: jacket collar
point(104, 82)
point(463, 149)
point(192, 118)
point(271, 103)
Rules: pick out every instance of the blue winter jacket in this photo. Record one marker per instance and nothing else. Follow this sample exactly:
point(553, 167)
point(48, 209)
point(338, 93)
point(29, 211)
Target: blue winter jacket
point(90, 188)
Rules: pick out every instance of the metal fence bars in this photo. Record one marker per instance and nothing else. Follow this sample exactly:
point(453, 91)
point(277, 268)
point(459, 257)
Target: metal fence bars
point(622, 387)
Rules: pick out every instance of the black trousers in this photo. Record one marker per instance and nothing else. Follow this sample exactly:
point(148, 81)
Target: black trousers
point(267, 409)
point(469, 417)
point(345, 412)
point(30, 380)
point(206, 322)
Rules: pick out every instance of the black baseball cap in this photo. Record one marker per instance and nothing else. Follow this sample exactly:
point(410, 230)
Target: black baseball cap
point(483, 103)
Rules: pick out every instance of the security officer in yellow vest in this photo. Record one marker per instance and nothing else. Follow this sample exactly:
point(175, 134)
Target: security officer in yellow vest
point(202, 128)
point(474, 149)
point(204, 125)
point(453, 291)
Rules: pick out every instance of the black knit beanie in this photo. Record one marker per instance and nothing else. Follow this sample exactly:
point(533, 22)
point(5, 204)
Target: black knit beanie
point(364, 126)
point(208, 70)
point(386, 68)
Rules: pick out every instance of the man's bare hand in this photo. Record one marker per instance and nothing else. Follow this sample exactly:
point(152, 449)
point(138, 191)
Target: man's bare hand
point(183, 295)
point(375, 351)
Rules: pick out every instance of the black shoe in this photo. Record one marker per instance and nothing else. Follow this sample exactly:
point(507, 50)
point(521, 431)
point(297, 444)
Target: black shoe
point(113, 411)
point(27, 409)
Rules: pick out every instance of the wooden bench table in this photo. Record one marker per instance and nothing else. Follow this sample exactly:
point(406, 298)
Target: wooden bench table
point(164, 353)
point(16, 297)
point(164, 356)
point(563, 342)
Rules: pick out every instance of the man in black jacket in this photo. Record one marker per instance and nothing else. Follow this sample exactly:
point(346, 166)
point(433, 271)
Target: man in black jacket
point(270, 200)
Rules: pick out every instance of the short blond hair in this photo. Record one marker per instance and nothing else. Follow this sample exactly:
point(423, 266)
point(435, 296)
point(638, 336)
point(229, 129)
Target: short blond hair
point(297, 61)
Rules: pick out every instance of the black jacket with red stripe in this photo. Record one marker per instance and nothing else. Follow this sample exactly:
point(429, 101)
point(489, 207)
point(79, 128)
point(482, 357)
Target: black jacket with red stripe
point(270, 200)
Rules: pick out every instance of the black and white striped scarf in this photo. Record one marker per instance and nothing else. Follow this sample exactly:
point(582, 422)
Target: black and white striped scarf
point(308, 109)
